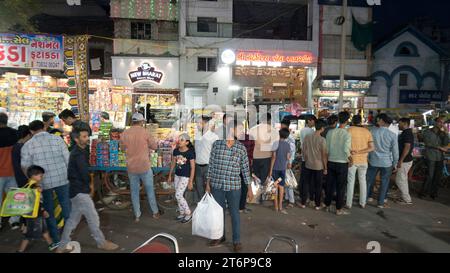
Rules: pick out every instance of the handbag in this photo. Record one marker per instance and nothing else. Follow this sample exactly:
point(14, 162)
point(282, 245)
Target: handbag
point(21, 202)
point(291, 181)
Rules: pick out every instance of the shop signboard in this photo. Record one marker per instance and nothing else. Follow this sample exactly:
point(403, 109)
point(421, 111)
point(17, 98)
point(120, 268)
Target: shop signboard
point(31, 51)
point(146, 73)
point(349, 85)
point(332, 93)
point(419, 96)
point(274, 58)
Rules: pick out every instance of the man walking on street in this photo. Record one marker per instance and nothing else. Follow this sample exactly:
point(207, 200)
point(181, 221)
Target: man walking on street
point(49, 120)
point(339, 151)
point(383, 159)
point(50, 152)
point(405, 147)
point(204, 140)
point(227, 162)
point(82, 204)
point(8, 138)
point(436, 142)
point(362, 145)
point(137, 143)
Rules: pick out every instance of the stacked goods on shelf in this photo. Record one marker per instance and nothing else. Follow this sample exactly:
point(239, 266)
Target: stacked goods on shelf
point(103, 154)
point(104, 130)
point(93, 153)
point(114, 153)
point(95, 122)
point(154, 159)
point(165, 152)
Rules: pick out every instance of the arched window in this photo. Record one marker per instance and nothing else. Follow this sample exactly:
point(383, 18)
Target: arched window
point(407, 49)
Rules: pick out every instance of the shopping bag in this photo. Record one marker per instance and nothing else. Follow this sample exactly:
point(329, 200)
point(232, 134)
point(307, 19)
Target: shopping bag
point(207, 219)
point(291, 181)
point(270, 190)
point(21, 202)
point(58, 212)
point(257, 190)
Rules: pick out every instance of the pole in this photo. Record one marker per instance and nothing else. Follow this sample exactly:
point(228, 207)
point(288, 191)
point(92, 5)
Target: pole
point(343, 46)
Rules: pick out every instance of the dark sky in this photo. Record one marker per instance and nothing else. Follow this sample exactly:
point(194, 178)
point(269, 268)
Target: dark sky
point(393, 14)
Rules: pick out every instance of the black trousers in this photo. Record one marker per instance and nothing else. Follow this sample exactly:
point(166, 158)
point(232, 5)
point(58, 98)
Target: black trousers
point(261, 168)
point(314, 182)
point(244, 190)
point(431, 185)
point(336, 181)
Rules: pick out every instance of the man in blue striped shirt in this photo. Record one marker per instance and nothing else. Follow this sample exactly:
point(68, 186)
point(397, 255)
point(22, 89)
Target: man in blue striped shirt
point(384, 159)
point(227, 161)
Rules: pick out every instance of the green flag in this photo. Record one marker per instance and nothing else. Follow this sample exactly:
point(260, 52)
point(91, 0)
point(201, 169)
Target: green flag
point(361, 34)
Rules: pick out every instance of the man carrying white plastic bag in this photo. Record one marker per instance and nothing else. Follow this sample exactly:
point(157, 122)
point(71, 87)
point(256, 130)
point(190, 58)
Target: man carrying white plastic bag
point(227, 161)
point(208, 220)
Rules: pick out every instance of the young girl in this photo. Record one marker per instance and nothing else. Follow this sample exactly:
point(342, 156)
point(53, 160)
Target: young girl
point(184, 164)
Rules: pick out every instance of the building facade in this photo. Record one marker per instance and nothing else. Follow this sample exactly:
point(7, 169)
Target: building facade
point(408, 71)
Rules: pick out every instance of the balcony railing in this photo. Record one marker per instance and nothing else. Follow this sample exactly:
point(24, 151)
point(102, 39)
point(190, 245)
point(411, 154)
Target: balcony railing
point(237, 30)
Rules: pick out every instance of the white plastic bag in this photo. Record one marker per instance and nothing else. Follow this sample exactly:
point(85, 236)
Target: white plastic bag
point(257, 191)
point(291, 181)
point(207, 219)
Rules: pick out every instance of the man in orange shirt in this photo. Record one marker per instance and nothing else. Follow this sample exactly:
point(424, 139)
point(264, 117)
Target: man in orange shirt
point(137, 144)
point(362, 145)
point(8, 137)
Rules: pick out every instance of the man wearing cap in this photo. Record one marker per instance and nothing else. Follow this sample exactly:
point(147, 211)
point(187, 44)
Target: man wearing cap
point(137, 143)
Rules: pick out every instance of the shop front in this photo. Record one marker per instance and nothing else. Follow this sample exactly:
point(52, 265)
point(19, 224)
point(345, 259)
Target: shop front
point(264, 77)
point(326, 97)
point(140, 83)
point(26, 86)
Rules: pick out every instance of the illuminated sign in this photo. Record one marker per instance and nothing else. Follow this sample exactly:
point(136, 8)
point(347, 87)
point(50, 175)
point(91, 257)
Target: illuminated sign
point(146, 72)
point(274, 58)
point(420, 96)
point(349, 85)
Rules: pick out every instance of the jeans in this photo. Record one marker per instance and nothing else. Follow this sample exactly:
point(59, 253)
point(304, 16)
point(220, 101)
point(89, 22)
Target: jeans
point(289, 195)
point(232, 198)
point(200, 182)
point(431, 185)
point(314, 180)
point(82, 205)
point(336, 181)
point(62, 192)
point(362, 172)
point(261, 168)
point(135, 183)
point(401, 179)
point(244, 190)
point(385, 173)
point(7, 183)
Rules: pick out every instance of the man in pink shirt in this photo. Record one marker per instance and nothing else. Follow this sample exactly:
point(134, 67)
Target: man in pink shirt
point(137, 144)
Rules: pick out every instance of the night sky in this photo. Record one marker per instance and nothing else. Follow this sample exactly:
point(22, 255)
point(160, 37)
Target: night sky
point(392, 15)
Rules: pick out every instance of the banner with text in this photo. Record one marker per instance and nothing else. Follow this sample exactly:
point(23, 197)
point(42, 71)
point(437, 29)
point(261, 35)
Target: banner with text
point(32, 51)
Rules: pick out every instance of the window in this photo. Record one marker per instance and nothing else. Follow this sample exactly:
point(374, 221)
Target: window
point(404, 51)
point(403, 79)
point(206, 24)
point(141, 31)
point(207, 64)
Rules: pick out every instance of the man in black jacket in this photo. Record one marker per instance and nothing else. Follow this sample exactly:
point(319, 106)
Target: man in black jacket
point(82, 204)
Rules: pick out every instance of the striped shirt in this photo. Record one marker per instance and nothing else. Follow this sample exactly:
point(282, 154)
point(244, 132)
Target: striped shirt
point(51, 153)
point(226, 164)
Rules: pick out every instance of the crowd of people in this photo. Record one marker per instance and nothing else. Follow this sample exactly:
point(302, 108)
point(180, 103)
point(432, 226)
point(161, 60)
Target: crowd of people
point(221, 161)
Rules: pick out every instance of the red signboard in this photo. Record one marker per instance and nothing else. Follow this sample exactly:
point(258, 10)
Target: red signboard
point(283, 57)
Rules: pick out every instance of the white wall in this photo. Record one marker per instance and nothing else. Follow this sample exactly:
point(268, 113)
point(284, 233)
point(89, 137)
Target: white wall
point(385, 60)
point(353, 67)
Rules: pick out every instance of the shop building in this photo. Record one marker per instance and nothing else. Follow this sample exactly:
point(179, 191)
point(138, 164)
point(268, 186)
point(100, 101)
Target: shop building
point(226, 60)
point(408, 71)
point(357, 63)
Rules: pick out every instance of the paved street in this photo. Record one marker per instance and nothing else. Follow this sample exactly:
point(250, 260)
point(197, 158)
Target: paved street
point(422, 227)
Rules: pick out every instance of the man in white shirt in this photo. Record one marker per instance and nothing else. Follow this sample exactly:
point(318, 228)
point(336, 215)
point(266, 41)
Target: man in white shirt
point(204, 140)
